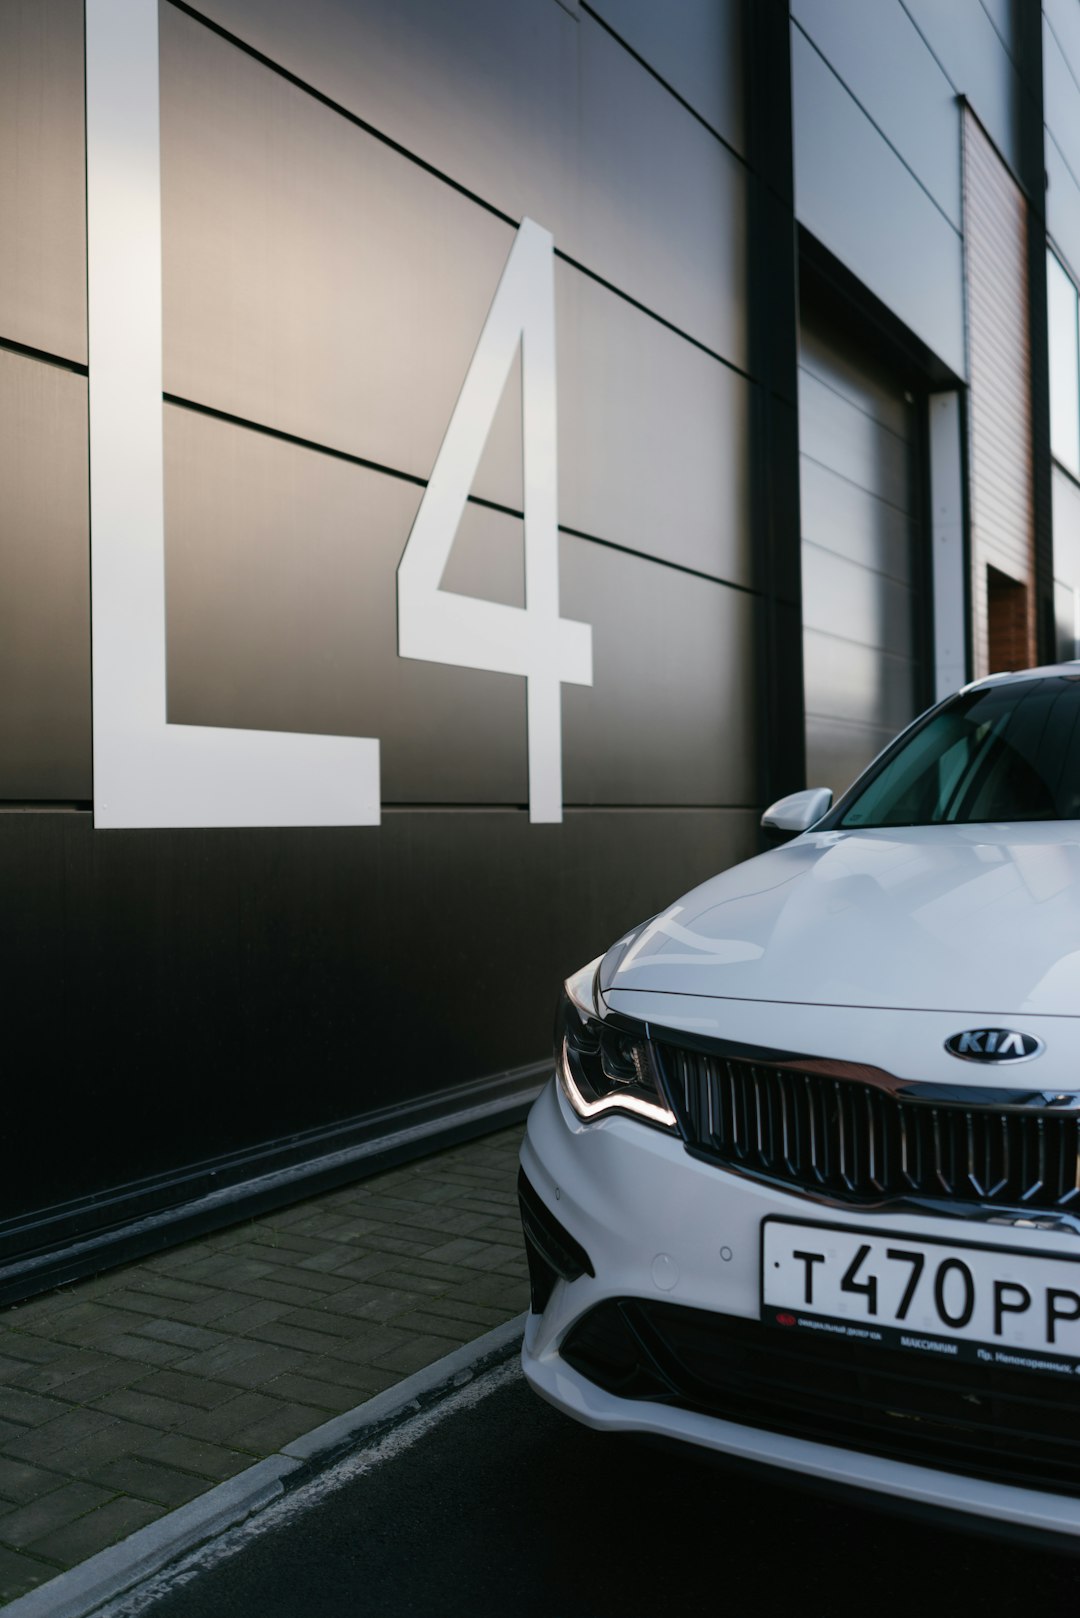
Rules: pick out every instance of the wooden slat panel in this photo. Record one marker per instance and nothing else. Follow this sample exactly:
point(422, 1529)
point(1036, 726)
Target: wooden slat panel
point(999, 374)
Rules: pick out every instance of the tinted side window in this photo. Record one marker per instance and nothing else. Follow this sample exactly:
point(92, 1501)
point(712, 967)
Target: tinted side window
point(1010, 752)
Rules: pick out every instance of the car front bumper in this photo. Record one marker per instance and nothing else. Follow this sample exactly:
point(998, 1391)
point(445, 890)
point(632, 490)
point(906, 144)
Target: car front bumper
point(665, 1228)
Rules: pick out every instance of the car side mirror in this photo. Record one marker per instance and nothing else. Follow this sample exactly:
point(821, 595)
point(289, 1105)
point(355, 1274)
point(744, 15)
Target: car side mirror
point(789, 816)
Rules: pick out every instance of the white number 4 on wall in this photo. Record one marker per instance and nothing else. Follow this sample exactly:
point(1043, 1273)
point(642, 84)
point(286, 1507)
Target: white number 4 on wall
point(148, 772)
point(441, 627)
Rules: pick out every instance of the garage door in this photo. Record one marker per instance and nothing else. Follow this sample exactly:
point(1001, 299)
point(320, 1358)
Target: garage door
point(860, 543)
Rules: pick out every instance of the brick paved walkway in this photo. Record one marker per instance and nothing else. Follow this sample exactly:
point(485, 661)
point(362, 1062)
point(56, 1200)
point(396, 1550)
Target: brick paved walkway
point(129, 1394)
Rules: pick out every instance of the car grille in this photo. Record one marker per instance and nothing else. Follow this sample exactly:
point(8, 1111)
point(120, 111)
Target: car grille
point(1009, 1426)
point(857, 1142)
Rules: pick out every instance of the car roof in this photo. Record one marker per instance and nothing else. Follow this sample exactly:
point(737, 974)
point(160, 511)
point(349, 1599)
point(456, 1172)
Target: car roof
point(1070, 669)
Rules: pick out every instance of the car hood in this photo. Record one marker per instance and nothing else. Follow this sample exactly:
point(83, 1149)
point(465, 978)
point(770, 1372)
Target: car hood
point(981, 919)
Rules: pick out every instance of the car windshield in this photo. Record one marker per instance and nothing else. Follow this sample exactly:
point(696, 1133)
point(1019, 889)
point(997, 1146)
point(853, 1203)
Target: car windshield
point(1006, 752)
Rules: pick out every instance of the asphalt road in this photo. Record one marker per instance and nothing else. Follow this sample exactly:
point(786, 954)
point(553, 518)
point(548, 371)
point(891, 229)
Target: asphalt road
point(505, 1507)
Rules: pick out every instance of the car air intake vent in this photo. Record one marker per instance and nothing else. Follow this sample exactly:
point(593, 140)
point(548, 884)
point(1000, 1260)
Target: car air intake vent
point(860, 1142)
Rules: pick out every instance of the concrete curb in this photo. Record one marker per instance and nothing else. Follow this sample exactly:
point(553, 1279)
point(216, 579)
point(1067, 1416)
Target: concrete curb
point(110, 1572)
point(82, 1590)
point(404, 1397)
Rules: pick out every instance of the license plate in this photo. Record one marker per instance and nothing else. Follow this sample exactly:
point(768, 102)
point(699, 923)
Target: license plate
point(946, 1300)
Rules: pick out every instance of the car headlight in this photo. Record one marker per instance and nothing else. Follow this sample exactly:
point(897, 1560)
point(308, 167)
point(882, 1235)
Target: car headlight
point(601, 1066)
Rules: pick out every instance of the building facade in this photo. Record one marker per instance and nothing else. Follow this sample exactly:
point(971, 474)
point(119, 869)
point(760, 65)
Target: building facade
point(458, 463)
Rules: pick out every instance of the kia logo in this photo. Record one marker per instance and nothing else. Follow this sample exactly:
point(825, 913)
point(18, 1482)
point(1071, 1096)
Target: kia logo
point(994, 1045)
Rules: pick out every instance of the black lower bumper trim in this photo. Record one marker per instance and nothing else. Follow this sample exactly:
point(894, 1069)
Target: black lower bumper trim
point(1009, 1427)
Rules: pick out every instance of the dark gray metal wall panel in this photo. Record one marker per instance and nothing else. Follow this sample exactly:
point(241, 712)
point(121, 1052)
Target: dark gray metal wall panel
point(853, 370)
point(855, 195)
point(886, 64)
point(666, 719)
point(314, 279)
point(845, 680)
point(42, 176)
point(859, 527)
point(501, 464)
point(1061, 69)
point(1066, 640)
point(1066, 498)
point(840, 751)
point(281, 570)
point(539, 114)
point(1062, 18)
point(488, 557)
point(1064, 365)
point(1062, 204)
point(696, 46)
point(875, 610)
point(486, 92)
point(963, 38)
point(1002, 14)
point(842, 517)
point(654, 435)
point(293, 197)
point(1061, 100)
point(662, 210)
point(837, 434)
point(349, 969)
point(44, 583)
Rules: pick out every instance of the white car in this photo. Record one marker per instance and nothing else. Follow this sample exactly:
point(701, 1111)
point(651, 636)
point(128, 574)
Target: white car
point(805, 1188)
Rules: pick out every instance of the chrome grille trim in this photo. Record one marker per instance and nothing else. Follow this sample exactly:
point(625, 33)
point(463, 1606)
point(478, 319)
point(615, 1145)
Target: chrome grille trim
point(862, 1137)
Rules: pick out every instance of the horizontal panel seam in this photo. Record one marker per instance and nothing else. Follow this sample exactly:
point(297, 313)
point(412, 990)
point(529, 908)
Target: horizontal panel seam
point(282, 433)
point(429, 168)
point(864, 567)
point(1058, 148)
point(285, 437)
point(336, 106)
point(804, 455)
point(929, 48)
point(45, 806)
point(1006, 47)
point(1064, 54)
point(620, 808)
point(864, 645)
point(661, 561)
point(1073, 477)
point(669, 87)
point(853, 724)
point(11, 346)
point(900, 158)
point(837, 393)
point(661, 320)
